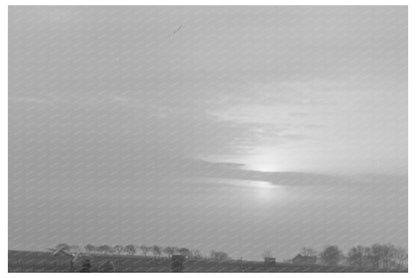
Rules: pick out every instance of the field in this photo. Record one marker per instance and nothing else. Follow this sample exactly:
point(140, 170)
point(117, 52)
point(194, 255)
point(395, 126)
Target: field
point(25, 261)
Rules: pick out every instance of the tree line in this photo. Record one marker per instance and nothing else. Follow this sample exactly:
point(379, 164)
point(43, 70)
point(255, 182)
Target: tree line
point(376, 256)
point(154, 250)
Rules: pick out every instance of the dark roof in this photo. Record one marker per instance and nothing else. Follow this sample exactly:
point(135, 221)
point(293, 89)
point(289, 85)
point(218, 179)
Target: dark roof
point(304, 259)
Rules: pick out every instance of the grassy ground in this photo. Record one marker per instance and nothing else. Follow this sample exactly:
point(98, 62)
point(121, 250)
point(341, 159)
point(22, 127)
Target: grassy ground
point(25, 261)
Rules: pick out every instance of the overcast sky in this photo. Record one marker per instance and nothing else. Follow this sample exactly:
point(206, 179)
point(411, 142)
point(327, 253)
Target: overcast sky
point(250, 128)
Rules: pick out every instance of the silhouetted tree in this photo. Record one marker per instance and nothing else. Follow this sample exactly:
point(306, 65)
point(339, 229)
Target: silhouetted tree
point(104, 249)
point(90, 248)
point(196, 254)
point(219, 256)
point(130, 249)
point(118, 249)
point(184, 252)
point(308, 252)
point(74, 249)
point(386, 256)
point(331, 255)
point(401, 258)
point(156, 250)
point(358, 256)
point(378, 256)
point(169, 251)
point(383, 254)
point(145, 249)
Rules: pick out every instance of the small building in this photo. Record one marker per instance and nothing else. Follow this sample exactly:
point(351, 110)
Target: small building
point(304, 260)
point(269, 261)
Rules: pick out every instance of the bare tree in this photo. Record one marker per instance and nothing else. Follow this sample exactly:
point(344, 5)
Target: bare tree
point(309, 252)
point(90, 248)
point(219, 256)
point(74, 248)
point(145, 249)
point(357, 256)
point(130, 249)
point(370, 259)
point(169, 251)
point(100, 249)
point(331, 255)
point(184, 252)
point(118, 249)
point(388, 256)
point(382, 255)
point(196, 254)
point(401, 258)
point(106, 249)
point(156, 250)
point(378, 256)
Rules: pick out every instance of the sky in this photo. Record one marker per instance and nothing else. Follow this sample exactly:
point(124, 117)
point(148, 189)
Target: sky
point(249, 129)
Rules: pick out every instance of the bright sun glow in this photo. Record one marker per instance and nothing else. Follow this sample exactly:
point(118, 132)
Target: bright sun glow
point(263, 191)
point(270, 159)
point(263, 163)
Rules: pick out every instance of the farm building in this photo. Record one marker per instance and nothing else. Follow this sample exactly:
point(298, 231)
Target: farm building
point(304, 260)
point(269, 261)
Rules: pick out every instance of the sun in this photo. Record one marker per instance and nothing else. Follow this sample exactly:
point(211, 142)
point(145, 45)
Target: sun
point(262, 163)
point(270, 158)
point(264, 167)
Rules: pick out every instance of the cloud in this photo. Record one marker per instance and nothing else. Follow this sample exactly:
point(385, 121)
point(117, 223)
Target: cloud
point(234, 171)
point(182, 168)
